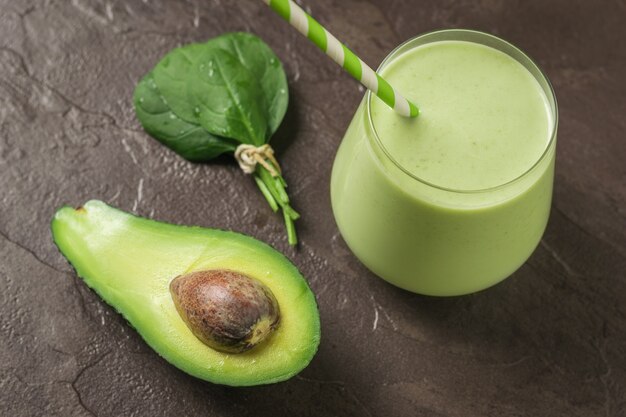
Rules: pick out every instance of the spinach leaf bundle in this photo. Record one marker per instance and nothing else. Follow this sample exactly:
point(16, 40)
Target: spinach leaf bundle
point(226, 95)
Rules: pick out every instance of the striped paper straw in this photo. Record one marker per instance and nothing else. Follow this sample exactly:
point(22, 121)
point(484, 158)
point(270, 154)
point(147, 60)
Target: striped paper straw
point(343, 56)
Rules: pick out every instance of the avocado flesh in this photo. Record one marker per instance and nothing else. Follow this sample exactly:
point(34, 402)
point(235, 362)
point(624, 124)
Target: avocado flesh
point(129, 261)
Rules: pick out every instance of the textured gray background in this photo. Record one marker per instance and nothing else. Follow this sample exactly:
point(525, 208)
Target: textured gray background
point(550, 341)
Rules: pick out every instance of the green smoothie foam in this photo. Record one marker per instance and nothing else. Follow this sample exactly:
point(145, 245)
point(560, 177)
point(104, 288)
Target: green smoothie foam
point(484, 121)
point(457, 199)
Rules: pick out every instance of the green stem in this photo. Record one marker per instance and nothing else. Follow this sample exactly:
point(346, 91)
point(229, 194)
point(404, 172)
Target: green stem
point(293, 215)
point(282, 193)
point(281, 189)
point(268, 180)
point(266, 193)
point(291, 229)
point(275, 188)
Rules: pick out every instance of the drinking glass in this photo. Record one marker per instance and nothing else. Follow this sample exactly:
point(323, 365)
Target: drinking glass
point(430, 239)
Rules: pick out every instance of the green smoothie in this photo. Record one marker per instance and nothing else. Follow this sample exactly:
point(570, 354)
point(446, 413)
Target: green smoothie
point(457, 199)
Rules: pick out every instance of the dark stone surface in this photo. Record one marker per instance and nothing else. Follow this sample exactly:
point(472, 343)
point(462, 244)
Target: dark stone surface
point(549, 341)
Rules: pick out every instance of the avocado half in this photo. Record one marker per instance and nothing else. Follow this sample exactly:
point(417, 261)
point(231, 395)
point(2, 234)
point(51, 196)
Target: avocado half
point(130, 261)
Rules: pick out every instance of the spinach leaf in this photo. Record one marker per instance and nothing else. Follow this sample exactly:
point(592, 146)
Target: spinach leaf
point(189, 140)
point(258, 58)
point(202, 100)
point(228, 98)
point(171, 75)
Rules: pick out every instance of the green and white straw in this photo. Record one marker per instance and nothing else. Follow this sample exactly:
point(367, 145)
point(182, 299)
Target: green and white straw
point(343, 56)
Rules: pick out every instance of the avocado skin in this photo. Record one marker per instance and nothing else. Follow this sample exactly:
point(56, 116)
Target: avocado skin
point(130, 261)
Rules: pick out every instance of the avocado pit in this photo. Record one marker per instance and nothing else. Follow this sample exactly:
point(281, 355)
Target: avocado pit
point(228, 311)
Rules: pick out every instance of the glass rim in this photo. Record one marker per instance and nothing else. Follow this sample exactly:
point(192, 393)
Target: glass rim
point(543, 75)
